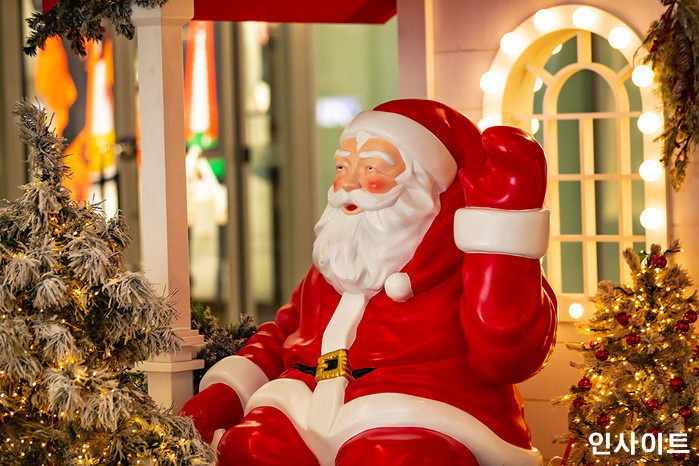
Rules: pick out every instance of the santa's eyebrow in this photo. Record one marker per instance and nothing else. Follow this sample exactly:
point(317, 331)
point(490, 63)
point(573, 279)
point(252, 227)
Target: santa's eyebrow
point(342, 153)
point(368, 154)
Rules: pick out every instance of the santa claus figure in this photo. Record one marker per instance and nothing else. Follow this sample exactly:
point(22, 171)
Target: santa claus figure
point(424, 306)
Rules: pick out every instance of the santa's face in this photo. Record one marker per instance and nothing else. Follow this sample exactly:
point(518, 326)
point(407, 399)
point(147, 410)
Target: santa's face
point(379, 208)
point(372, 167)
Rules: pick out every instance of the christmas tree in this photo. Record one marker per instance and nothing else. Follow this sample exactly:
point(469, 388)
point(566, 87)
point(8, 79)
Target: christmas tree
point(72, 320)
point(638, 397)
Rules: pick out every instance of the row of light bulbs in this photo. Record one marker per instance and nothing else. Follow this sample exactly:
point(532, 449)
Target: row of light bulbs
point(642, 76)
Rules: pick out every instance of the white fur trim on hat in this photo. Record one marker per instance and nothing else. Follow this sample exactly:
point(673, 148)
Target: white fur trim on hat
point(522, 233)
point(239, 373)
point(398, 288)
point(412, 140)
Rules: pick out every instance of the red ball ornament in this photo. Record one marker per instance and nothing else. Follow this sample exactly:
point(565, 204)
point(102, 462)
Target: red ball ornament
point(681, 327)
point(632, 339)
point(584, 384)
point(677, 384)
point(685, 412)
point(678, 457)
point(659, 262)
point(593, 344)
point(652, 405)
point(690, 317)
point(655, 430)
point(696, 350)
point(602, 354)
point(579, 402)
point(623, 318)
point(603, 419)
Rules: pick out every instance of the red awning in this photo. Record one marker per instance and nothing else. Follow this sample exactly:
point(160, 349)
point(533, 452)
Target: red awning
point(286, 11)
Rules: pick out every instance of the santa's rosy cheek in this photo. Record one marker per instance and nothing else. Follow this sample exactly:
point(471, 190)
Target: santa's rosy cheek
point(379, 186)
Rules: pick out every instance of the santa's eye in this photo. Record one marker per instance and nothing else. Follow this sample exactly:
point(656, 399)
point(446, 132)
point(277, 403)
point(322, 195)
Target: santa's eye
point(340, 167)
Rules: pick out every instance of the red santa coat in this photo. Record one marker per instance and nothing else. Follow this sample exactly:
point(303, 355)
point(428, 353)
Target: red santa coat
point(476, 325)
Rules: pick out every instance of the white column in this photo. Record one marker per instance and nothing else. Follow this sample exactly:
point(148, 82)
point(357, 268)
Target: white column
point(163, 187)
point(416, 49)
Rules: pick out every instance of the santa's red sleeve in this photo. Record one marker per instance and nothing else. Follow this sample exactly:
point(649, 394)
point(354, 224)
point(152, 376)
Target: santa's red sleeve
point(260, 360)
point(508, 311)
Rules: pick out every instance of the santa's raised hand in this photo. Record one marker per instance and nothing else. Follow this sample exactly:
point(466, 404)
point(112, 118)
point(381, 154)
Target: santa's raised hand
point(507, 308)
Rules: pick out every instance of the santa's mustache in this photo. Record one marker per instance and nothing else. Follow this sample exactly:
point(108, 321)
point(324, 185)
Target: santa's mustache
point(364, 200)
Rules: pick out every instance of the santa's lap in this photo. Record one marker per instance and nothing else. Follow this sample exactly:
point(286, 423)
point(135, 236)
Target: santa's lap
point(267, 437)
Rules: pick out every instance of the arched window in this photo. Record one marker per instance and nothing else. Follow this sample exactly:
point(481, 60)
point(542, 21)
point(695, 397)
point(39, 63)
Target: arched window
point(565, 75)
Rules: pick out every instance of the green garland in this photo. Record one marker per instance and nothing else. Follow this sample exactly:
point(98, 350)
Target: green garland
point(81, 20)
point(673, 44)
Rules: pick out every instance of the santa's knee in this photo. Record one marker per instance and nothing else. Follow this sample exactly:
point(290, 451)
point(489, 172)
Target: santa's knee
point(264, 437)
point(402, 446)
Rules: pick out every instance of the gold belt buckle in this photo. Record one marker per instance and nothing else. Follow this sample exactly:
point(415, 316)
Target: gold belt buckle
point(332, 365)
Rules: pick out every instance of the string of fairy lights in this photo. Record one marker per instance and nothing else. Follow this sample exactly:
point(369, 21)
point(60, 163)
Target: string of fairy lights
point(72, 318)
point(639, 371)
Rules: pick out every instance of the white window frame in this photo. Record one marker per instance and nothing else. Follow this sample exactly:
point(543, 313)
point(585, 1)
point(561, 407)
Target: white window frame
point(512, 104)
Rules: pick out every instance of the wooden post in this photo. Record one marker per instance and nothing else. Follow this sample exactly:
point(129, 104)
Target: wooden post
point(163, 187)
point(416, 49)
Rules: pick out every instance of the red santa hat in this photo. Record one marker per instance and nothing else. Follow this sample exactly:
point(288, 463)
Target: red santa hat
point(443, 141)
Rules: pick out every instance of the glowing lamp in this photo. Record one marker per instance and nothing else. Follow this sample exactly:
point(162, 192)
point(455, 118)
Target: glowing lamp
point(649, 123)
point(486, 123)
point(650, 170)
point(619, 37)
point(511, 44)
point(544, 20)
point(583, 17)
point(652, 218)
point(538, 83)
point(491, 82)
point(576, 310)
point(642, 76)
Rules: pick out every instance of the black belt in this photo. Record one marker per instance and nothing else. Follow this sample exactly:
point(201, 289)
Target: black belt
point(332, 365)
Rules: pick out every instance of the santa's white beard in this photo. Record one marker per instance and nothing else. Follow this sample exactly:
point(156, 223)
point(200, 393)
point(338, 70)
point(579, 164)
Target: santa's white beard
point(356, 253)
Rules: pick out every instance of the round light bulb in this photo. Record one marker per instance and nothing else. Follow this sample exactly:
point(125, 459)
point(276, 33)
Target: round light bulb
point(652, 218)
point(642, 76)
point(649, 122)
point(619, 37)
point(583, 17)
point(511, 44)
point(544, 20)
point(651, 170)
point(538, 83)
point(491, 82)
point(485, 123)
point(576, 310)
point(535, 125)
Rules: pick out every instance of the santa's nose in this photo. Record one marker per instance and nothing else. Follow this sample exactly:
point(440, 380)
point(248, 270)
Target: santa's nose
point(350, 182)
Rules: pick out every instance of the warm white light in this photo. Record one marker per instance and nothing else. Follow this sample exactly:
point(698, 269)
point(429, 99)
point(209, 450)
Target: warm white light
point(649, 122)
point(583, 17)
point(619, 37)
point(544, 20)
point(486, 123)
point(642, 76)
point(576, 310)
point(535, 125)
point(652, 218)
point(650, 170)
point(491, 82)
point(557, 49)
point(538, 83)
point(511, 43)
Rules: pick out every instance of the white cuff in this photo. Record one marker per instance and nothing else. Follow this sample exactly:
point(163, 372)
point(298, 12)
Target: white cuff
point(522, 233)
point(239, 373)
